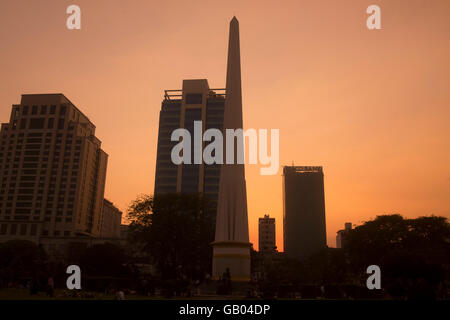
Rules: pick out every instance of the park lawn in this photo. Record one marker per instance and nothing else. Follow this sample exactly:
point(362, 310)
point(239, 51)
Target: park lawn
point(24, 294)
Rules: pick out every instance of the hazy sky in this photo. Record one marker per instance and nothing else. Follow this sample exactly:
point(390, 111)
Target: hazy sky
point(371, 107)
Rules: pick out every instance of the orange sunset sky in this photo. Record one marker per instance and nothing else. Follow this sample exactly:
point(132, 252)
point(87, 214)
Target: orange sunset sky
point(371, 107)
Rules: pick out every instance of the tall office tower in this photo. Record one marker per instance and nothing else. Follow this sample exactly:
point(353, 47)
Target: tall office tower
point(231, 247)
point(303, 211)
point(267, 234)
point(111, 220)
point(52, 172)
point(180, 108)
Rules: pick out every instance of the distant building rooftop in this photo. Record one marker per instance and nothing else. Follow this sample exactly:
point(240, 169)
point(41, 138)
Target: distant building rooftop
point(177, 94)
point(301, 169)
point(30, 97)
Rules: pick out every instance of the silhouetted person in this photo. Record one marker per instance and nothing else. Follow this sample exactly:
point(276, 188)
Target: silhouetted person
point(120, 295)
point(34, 287)
point(50, 287)
point(227, 281)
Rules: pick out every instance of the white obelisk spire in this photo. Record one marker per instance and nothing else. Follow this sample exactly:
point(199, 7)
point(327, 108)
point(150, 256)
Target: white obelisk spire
point(231, 245)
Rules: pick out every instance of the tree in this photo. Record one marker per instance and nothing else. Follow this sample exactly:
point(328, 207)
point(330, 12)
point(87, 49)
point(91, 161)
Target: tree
point(103, 260)
point(329, 266)
point(413, 254)
point(20, 259)
point(176, 231)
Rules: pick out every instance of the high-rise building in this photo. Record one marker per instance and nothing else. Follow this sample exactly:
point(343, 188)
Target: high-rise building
point(267, 234)
point(52, 171)
point(304, 229)
point(180, 108)
point(111, 220)
point(340, 236)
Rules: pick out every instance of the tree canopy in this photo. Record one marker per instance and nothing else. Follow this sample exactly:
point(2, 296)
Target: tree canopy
point(413, 254)
point(176, 231)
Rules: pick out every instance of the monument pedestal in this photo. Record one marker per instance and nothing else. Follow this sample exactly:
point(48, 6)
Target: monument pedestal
point(232, 255)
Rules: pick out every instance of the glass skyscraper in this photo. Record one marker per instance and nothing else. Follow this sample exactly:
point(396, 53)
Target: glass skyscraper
point(179, 109)
point(304, 229)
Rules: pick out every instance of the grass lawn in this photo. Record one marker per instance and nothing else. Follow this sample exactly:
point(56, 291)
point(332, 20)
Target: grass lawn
point(24, 294)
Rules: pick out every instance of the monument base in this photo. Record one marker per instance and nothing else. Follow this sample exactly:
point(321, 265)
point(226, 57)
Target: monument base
point(234, 256)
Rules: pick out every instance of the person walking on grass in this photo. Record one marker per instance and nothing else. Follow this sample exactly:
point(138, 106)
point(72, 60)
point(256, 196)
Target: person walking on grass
point(50, 287)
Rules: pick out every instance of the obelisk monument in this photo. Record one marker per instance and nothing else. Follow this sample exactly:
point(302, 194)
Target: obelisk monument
point(231, 247)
